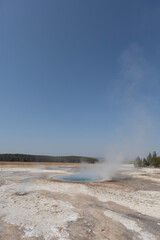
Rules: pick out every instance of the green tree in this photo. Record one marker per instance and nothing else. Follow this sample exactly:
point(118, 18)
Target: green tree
point(145, 163)
point(158, 161)
point(154, 161)
point(138, 162)
point(149, 159)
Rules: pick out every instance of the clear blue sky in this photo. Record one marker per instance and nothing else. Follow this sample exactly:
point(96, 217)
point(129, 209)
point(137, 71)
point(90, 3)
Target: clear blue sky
point(75, 73)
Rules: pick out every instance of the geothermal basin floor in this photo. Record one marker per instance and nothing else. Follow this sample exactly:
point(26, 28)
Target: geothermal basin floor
point(33, 205)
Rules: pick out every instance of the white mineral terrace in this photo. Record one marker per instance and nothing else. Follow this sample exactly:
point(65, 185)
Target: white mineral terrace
point(39, 207)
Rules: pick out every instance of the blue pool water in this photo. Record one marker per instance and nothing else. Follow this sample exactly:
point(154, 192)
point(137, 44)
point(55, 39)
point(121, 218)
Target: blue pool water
point(79, 178)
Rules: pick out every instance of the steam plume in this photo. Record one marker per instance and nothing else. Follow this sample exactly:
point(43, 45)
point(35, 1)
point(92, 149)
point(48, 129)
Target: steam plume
point(135, 133)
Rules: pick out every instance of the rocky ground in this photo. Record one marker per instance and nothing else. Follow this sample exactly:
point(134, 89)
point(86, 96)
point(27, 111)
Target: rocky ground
point(33, 205)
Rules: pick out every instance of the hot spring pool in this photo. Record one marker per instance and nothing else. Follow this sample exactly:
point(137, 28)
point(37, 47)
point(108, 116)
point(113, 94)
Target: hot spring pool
point(79, 178)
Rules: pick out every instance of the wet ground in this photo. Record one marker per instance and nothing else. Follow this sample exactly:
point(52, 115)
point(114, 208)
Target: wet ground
point(34, 205)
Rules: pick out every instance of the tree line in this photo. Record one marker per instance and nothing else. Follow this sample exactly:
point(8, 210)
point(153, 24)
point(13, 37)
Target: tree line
point(151, 160)
point(42, 158)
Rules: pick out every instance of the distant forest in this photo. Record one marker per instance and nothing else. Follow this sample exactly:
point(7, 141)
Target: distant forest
point(152, 160)
point(41, 158)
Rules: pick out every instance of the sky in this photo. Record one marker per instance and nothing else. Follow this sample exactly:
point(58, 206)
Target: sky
point(77, 76)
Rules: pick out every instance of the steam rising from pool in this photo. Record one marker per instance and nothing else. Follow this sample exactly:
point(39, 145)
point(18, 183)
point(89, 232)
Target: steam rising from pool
point(135, 132)
point(101, 171)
